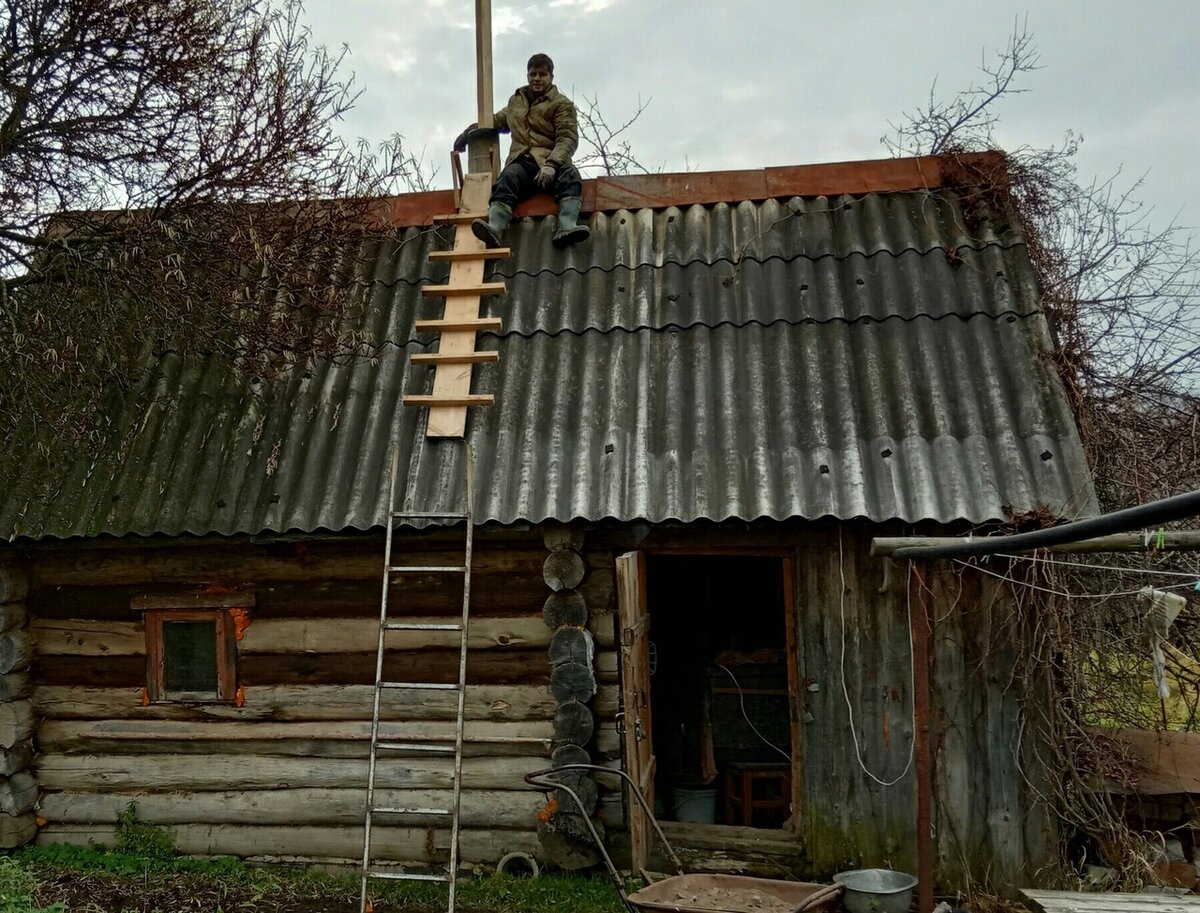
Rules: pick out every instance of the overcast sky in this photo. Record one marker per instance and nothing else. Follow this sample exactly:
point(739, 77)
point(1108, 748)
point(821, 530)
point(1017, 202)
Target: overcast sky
point(751, 83)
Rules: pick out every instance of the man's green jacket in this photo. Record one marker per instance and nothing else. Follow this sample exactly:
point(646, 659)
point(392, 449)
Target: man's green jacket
point(544, 126)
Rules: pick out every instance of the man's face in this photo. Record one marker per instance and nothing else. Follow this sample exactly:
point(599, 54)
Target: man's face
point(539, 79)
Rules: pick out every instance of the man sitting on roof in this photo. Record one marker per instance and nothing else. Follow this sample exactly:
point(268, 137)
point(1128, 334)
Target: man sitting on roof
point(544, 134)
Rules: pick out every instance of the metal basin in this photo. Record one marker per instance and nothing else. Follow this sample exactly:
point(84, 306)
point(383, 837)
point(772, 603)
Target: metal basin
point(876, 890)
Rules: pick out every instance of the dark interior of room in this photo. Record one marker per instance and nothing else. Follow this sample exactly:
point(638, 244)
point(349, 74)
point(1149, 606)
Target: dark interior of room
point(719, 673)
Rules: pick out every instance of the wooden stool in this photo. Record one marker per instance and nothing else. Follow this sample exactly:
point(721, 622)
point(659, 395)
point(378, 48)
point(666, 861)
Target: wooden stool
point(758, 794)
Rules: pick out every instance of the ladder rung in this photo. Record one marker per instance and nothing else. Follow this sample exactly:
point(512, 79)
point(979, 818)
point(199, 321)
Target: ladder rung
point(428, 569)
point(479, 324)
point(447, 358)
point(422, 686)
point(420, 626)
point(400, 810)
point(458, 218)
point(429, 515)
point(487, 253)
point(474, 399)
point(415, 746)
point(480, 290)
point(405, 876)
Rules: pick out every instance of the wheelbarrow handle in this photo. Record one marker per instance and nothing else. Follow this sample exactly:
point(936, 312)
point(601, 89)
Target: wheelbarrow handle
point(826, 893)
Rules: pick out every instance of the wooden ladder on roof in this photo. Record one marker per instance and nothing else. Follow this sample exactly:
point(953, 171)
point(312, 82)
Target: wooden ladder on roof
point(456, 356)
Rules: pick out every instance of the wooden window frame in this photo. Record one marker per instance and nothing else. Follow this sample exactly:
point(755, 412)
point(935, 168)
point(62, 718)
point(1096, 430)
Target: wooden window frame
point(217, 607)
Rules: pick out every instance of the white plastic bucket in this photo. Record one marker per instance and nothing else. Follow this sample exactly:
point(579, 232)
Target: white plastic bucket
point(699, 806)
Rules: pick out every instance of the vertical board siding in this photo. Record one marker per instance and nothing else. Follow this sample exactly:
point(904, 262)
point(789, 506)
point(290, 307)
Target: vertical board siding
point(290, 765)
point(849, 820)
point(989, 827)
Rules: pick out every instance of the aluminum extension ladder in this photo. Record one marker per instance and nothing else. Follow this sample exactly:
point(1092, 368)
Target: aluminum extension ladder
point(442, 745)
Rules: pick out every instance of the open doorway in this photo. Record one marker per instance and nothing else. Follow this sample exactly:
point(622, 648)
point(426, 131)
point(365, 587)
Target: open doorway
point(719, 673)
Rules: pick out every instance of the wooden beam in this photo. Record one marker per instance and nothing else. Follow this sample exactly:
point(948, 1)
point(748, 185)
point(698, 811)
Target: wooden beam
point(473, 324)
point(459, 256)
point(299, 703)
point(66, 637)
point(1170, 540)
point(471, 399)
point(467, 358)
point(525, 736)
point(394, 844)
point(222, 771)
point(459, 218)
point(455, 290)
point(498, 808)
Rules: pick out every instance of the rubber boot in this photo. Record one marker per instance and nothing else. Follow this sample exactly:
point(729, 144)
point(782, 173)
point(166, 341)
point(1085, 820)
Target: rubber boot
point(569, 230)
point(491, 230)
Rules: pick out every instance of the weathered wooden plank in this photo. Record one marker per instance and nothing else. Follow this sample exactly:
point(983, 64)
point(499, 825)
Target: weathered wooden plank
point(18, 793)
point(205, 773)
point(12, 615)
point(484, 667)
point(1163, 762)
point(1098, 902)
point(16, 650)
point(496, 593)
point(16, 830)
point(316, 635)
point(392, 844)
point(478, 808)
point(14, 686)
point(16, 722)
point(343, 635)
point(313, 702)
point(178, 736)
point(15, 759)
point(14, 584)
point(250, 749)
point(242, 563)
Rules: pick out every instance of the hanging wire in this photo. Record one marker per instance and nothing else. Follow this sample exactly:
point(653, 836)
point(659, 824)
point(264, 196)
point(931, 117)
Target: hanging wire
point(1064, 593)
point(1193, 576)
point(858, 754)
point(746, 716)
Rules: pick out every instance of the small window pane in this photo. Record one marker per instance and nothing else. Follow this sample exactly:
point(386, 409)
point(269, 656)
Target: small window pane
point(190, 656)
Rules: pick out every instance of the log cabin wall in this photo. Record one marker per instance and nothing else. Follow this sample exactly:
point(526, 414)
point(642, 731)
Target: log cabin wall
point(18, 788)
point(284, 775)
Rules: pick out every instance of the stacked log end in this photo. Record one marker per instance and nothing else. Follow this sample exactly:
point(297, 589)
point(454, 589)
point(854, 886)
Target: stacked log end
point(18, 788)
point(563, 829)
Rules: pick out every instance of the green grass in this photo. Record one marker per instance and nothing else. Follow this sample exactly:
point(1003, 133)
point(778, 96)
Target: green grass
point(17, 885)
point(145, 855)
point(510, 894)
point(226, 884)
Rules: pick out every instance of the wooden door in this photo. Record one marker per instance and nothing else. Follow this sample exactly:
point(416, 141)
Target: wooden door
point(635, 697)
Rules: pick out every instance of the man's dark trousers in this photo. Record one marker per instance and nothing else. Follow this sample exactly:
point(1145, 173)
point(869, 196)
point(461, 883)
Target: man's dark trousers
point(518, 182)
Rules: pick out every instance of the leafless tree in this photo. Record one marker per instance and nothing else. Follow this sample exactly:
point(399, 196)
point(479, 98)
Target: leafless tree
point(1124, 298)
point(604, 149)
point(170, 179)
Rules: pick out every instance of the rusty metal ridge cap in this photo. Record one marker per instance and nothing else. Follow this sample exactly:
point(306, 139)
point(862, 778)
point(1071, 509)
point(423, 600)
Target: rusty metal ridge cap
point(658, 191)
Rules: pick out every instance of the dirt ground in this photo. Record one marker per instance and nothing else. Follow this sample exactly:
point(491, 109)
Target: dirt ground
point(85, 892)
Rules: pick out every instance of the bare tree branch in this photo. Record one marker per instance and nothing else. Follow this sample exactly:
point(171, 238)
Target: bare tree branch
point(168, 172)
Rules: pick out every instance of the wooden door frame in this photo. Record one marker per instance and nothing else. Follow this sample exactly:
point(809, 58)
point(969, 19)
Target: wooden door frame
point(789, 558)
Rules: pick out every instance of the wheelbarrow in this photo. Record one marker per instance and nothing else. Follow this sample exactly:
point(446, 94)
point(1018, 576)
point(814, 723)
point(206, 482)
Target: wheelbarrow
point(696, 893)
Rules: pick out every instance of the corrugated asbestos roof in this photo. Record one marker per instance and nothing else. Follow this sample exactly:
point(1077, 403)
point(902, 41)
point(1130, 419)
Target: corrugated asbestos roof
point(865, 356)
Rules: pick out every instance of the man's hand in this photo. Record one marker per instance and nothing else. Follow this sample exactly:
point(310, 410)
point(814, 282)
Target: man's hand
point(460, 141)
point(545, 176)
